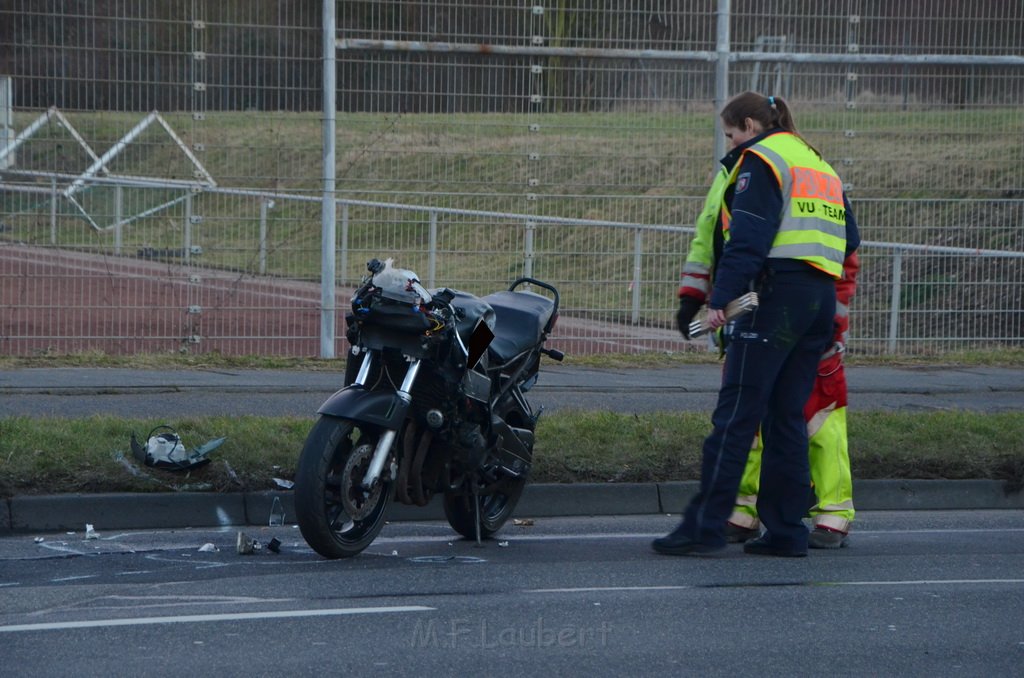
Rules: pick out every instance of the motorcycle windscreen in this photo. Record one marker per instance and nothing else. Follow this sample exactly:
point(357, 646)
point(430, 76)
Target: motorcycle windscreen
point(478, 342)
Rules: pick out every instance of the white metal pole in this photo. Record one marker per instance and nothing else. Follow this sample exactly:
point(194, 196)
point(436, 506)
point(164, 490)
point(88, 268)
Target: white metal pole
point(638, 249)
point(432, 254)
point(264, 206)
point(328, 216)
point(896, 299)
point(721, 76)
point(118, 219)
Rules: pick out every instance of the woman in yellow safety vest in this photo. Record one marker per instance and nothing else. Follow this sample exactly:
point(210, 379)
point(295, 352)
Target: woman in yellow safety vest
point(825, 411)
point(785, 230)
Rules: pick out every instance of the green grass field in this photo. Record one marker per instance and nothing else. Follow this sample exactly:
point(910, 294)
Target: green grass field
point(53, 455)
point(950, 178)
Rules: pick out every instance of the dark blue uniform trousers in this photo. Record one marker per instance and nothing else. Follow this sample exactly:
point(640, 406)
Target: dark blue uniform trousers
point(770, 366)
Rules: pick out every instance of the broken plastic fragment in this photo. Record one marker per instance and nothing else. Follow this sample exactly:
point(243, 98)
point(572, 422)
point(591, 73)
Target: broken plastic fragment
point(231, 473)
point(166, 450)
point(208, 548)
point(284, 484)
point(39, 540)
point(276, 513)
point(245, 545)
point(503, 543)
point(91, 533)
point(274, 545)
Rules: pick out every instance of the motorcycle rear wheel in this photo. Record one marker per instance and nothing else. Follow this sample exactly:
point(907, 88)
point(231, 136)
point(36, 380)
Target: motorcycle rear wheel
point(496, 506)
point(337, 518)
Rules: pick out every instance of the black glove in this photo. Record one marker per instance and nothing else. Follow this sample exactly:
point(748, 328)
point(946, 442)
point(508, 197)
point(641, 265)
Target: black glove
point(688, 307)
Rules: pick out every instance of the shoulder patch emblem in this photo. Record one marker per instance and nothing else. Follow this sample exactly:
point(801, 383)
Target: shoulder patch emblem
point(742, 181)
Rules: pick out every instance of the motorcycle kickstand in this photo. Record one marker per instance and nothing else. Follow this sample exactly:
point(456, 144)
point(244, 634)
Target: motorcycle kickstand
point(476, 512)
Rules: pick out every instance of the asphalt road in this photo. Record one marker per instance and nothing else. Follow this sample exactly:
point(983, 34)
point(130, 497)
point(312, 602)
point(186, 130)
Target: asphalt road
point(81, 392)
point(917, 594)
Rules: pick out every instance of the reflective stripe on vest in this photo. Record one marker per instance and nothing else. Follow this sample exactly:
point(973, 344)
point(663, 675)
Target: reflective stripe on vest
point(813, 223)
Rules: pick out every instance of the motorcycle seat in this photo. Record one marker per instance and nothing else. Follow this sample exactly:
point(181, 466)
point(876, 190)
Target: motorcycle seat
point(521, 319)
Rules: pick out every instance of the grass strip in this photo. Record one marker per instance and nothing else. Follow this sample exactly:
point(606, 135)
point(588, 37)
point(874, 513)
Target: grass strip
point(90, 455)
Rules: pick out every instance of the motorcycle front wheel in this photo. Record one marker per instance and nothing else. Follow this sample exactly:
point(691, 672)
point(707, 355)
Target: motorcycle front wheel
point(496, 500)
point(336, 516)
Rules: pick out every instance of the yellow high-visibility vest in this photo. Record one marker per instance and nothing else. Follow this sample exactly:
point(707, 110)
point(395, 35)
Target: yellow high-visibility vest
point(812, 227)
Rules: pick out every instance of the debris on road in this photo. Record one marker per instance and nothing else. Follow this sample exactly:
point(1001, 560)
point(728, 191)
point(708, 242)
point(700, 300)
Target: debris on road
point(246, 545)
point(164, 449)
point(276, 513)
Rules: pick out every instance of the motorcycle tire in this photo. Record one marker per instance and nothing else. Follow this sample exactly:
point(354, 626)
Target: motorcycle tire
point(335, 515)
point(496, 507)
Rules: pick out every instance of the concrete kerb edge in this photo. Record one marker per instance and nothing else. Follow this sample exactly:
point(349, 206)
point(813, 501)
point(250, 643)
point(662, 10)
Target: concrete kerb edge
point(126, 511)
point(199, 509)
point(890, 495)
point(5, 517)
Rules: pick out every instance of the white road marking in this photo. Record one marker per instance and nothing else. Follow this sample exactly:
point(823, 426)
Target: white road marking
point(595, 589)
point(138, 602)
point(525, 536)
point(73, 578)
point(908, 582)
point(203, 618)
point(62, 548)
point(926, 582)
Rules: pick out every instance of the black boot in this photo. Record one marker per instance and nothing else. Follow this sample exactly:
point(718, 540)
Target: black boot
point(676, 543)
point(763, 546)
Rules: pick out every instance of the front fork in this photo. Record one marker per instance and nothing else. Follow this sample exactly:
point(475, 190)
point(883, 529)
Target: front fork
point(380, 454)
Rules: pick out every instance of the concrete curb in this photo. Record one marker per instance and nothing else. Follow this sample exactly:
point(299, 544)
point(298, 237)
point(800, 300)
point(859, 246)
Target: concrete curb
point(198, 509)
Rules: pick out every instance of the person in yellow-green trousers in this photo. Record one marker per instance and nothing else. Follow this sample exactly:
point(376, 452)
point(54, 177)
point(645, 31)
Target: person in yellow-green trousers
point(832, 510)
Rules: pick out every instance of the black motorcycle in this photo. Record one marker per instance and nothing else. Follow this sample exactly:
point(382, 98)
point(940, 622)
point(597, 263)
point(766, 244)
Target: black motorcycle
point(433, 403)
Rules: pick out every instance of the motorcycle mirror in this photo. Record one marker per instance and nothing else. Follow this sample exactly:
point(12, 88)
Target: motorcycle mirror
point(375, 266)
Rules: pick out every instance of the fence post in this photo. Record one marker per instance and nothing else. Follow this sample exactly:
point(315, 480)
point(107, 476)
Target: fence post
point(638, 245)
point(531, 226)
point(187, 245)
point(432, 254)
point(53, 210)
point(328, 205)
point(118, 216)
point(265, 204)
point(894, 303)
point(343, 246)
point(721, 74)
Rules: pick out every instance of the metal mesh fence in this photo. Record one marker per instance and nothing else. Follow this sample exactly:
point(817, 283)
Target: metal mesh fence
point(162, 160)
